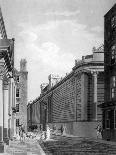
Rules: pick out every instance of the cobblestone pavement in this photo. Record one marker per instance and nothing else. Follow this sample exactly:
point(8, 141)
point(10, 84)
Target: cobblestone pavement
point(78, 146)
point(29, 147)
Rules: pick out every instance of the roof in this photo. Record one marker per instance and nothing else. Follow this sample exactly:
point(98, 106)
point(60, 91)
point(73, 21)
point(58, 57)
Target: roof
point(113, 8)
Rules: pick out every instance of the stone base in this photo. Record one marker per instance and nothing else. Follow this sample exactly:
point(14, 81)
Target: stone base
point(1, 147)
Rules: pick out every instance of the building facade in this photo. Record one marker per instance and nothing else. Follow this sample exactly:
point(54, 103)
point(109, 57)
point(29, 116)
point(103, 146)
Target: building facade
point(7, 86)
point(72, 101)
point(21, 78)
point(109, 105)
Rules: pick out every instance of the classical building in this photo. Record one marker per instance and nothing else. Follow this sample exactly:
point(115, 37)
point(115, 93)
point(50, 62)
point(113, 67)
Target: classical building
point(109, 105)
point(72, 101)
point(21, 78)
point(7, 86)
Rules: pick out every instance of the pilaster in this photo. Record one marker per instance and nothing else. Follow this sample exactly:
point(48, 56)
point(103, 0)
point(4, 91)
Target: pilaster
point(84, 96)
point(94, 73)
point(1, 116)
point(5, 107)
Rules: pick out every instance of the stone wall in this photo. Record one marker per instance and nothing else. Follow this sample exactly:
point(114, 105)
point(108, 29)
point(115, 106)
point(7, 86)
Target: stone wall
point(64, 101)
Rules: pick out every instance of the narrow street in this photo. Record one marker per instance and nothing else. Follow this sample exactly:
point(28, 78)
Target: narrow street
point(30, 147)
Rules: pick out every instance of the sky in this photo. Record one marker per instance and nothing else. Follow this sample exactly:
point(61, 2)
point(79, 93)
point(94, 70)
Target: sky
point(51, 34)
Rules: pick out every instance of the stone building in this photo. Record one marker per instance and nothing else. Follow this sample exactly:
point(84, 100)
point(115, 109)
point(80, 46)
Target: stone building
point(7, 86)
point(109, 105)
point(72, 101)
point(21, 78)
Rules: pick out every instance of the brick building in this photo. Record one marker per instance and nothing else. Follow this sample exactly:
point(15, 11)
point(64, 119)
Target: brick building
point(21, 95)
point(72, 101)
point(109, 105)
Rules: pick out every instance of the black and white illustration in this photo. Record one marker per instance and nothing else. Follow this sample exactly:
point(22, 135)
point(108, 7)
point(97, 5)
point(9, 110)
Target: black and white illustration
point(57, 77)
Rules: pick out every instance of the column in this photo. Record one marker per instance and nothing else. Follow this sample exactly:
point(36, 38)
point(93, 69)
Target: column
point(1, 116)
point(84, 96)
point(14, 115)
point(95, 95)
point(13, 124)
point(75, 98)
point(5, 103)
point(9, 110)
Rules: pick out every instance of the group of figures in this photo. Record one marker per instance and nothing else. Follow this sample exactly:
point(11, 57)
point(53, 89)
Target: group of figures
point(22, 133)
point(46, 135)
point(54, 131)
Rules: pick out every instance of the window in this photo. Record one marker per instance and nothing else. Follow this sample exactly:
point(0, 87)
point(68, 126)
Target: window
point(17, 107)
point(113, 54)
point(17, 78)
point(113, 22)
point(113, 86)
point(115, 119)
point(17, 122)
point(112, 93)
point(17, 92)
point(108, 119)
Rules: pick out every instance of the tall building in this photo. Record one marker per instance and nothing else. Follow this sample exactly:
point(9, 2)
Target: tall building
point(7, 86)
point(21, 95)
point(109, 105)
point(72, 101)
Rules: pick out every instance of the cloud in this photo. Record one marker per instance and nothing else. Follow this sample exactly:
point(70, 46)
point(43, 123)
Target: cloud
point(52, 47)
point(64, 13)
point(97, 29)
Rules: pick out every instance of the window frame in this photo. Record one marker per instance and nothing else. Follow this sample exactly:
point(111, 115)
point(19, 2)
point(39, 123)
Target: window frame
point(112, 86)
point(113, 21)
point(17, 104)
point(18, 78)
point(113, 54)
point(107, 119)
point(17, 123)
point(17, 89)
point(115, 119)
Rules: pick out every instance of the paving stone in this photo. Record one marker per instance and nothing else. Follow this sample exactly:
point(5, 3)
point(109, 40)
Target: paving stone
point(76, 146)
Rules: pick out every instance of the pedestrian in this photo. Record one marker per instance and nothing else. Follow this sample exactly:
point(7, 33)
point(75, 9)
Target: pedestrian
point(22, 133)
point(99, 131)
point(62, 129)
